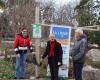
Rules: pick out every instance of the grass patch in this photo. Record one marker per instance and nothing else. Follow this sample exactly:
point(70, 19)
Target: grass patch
point(6, 69)
point(7, 76)
point(43, 68)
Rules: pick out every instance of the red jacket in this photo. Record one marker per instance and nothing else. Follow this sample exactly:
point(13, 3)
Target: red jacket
point(21, 43)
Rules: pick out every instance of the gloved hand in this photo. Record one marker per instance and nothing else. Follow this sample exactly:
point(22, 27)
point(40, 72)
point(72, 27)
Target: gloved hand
point(59, 64)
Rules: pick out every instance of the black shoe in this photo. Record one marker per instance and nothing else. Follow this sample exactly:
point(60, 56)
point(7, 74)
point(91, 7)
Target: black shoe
point(22, 78)
point(37, 77)
point(15, 78)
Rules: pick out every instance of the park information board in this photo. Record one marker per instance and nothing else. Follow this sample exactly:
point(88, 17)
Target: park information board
point(62, 35)
point(36, 30)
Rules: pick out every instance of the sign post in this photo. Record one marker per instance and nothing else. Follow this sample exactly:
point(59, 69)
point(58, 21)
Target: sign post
point(37, 35)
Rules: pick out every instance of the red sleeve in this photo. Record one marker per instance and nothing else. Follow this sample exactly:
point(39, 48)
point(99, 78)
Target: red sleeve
point(28, 42)
point(29, 45)
point(15, 44)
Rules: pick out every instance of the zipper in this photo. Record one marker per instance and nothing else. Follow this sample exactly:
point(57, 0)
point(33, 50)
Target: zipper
point(24, 41)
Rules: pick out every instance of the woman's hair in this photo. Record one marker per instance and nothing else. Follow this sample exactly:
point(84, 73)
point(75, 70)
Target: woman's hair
point(24, 28)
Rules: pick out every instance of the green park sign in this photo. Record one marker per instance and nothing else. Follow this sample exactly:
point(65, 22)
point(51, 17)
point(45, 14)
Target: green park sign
point(36, 30)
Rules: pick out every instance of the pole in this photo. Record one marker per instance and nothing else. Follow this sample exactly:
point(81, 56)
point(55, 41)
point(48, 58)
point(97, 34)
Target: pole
point(37, 41)
point(37, 9)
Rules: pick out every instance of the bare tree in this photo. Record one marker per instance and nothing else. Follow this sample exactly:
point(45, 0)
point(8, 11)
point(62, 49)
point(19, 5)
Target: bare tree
point(65, 15)
point(17, 14)
point(47, 11)
point(62, 14)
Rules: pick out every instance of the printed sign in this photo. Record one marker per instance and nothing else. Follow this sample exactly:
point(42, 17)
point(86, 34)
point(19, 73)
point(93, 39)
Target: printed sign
point(36, 30)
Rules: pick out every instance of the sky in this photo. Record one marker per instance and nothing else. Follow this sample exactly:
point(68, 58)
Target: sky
point(62, 2)
point(73, 2)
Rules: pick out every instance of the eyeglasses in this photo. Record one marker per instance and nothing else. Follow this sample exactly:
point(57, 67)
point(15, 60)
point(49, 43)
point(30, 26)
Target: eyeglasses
point(24, 31)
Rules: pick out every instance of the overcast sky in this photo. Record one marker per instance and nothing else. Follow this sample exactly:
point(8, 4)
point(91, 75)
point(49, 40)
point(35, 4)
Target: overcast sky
point(62, 2)
point(73, 2)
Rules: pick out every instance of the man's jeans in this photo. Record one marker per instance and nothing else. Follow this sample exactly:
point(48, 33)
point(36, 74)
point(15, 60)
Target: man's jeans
point(21, 65)
point(78, 70)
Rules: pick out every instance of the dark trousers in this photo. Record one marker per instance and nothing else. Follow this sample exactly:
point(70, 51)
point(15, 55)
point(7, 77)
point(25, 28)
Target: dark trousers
point(53, 70)
point(78, 70)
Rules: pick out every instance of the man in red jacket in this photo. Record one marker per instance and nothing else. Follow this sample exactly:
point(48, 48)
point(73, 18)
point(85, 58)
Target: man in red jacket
point(21, 45)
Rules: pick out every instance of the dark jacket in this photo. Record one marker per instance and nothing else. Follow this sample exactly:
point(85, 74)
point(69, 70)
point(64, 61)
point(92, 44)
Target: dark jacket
point(57, 52)
point(79, 49)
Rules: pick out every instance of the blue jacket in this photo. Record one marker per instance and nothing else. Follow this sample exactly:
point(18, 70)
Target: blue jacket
point(79, 49)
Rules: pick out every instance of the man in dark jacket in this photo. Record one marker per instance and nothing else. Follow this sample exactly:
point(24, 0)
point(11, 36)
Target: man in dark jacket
point(78, 53)
point(54, 53)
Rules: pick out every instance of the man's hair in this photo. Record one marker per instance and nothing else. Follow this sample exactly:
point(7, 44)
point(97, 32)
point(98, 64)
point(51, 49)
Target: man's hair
point(52, 35)
point(79, 30)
